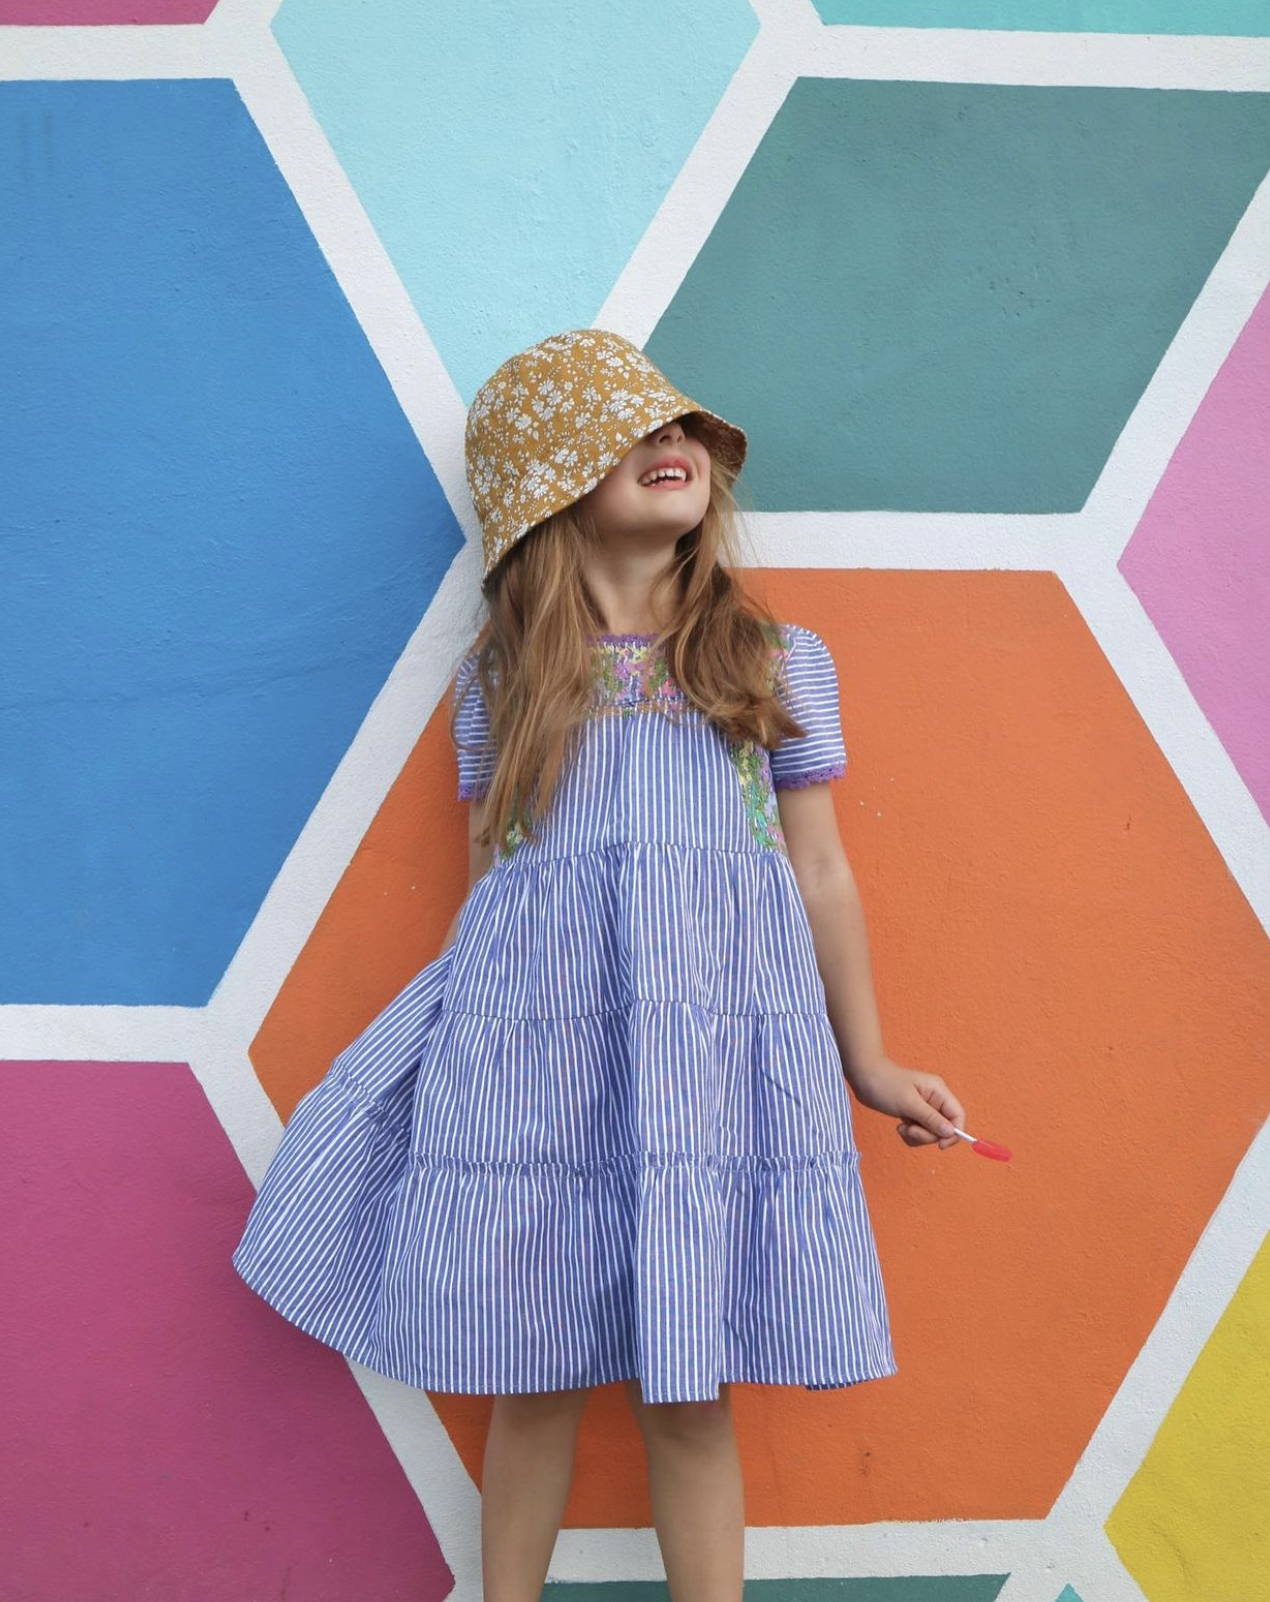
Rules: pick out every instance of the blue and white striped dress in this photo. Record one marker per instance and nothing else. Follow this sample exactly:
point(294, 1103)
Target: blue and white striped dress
point(606, 1133)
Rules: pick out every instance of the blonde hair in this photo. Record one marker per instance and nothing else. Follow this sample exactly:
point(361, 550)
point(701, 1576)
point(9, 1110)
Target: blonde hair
point(534, 662)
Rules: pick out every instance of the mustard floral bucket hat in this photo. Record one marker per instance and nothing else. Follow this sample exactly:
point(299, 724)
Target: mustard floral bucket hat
point(546, 427)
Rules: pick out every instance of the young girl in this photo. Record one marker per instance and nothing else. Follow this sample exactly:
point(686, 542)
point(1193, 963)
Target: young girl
point(606, 1134)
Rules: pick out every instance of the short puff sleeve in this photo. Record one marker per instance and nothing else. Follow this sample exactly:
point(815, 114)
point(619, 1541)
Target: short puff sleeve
point(812, 698)
point(474, 749)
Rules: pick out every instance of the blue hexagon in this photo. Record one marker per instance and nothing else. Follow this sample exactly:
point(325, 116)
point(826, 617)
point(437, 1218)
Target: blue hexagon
point(220, 531)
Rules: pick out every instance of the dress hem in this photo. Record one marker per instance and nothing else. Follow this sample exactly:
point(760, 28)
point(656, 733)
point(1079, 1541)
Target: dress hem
point(610, 1374)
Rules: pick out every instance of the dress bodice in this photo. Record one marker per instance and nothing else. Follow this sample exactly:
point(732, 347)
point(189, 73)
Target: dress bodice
point(651, 767)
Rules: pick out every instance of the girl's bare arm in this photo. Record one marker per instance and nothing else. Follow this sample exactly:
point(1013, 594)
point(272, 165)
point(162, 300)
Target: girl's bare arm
point(836, 915)
point(479, 860)
point(925, 1106)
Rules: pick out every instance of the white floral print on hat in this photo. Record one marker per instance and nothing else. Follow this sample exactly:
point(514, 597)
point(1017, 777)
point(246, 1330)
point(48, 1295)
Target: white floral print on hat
point(551, 421)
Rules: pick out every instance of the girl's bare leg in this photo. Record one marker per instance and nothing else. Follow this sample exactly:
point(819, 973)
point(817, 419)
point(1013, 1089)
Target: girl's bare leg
point(697, 1495)
point(525, 1480)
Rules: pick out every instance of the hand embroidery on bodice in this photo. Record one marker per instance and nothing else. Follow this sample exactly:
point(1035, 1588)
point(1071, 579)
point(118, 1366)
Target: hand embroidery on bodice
point(632, 675)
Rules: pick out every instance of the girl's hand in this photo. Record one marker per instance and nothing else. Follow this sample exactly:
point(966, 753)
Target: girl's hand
point(923, 1102)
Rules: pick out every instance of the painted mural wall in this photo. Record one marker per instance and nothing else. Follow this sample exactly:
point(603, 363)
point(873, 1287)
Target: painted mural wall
point(992, 305)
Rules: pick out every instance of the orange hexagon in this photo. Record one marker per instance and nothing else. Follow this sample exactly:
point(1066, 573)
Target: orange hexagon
point(1052, 930)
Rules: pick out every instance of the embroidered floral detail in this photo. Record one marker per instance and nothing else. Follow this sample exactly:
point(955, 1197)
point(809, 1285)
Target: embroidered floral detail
point(753, 761)
point(761, 809)
point(633, 675)
point(506, 847)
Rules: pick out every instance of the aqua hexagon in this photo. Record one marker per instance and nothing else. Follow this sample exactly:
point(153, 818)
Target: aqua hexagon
point(510, 162)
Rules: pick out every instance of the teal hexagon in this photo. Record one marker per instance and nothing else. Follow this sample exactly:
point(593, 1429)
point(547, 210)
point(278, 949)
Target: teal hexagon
point(1048, 16)
point(888, 1588)
point(891, 1588)
point(949, 297)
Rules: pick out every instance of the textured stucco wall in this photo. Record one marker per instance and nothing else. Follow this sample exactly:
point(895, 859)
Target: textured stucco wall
point(992, 305)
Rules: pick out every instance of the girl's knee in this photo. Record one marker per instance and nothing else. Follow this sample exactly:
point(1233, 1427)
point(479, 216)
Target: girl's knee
point(681, 1420)
point(534, 1407)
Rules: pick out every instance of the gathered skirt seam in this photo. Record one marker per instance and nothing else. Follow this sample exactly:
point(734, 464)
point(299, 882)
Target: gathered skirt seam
point(521, 862)
point(622, 1006)
point(727, 1161)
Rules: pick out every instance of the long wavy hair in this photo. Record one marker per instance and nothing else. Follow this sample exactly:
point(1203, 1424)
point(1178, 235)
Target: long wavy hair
point(535, 667)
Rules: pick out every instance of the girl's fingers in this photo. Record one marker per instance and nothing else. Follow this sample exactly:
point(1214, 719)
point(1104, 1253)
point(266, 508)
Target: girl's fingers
point(917, 1135)
point(931, 1103)
point(926, 1112)
point(941, 1098)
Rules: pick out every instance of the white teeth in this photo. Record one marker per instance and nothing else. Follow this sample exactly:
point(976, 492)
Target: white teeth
point(665, 472)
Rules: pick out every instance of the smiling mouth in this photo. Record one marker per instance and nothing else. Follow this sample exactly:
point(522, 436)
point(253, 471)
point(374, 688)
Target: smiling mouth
point(673, 478)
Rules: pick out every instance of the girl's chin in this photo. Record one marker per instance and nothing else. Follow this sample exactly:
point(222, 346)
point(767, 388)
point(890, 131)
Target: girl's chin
point(674, 501)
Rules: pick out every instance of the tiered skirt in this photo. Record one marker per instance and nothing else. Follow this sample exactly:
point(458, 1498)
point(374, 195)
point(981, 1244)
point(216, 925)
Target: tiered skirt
point(604, 1134)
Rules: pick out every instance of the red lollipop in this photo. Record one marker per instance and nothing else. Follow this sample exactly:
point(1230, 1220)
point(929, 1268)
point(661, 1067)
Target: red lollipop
point(986, 1148)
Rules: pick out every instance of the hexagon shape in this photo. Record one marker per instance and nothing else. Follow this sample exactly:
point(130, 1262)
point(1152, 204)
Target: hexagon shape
point(999, 772)
point(99, 13)
point(1203, 1479)
point(220, 533)
point(1197, 559)
point(953, 295)
point(164, 1432)
point(1108, 16)
point(481, 143)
